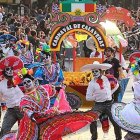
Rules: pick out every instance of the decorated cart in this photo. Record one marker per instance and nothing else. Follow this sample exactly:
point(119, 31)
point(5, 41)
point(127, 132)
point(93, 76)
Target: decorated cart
point(77, 18)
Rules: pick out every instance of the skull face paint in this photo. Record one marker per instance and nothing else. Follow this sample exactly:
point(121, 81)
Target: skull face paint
point(28, 83)
point(96, 73)
point(8, 71)
point(47, 60)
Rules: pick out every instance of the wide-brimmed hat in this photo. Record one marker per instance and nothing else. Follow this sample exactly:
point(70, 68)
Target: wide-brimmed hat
point(127, 116)
point(96, 65)
point(11, 61)
point(134, 56)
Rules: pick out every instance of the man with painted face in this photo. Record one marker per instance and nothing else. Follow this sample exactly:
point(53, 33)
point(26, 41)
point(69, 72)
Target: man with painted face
point(9, 92)
point(99, 91)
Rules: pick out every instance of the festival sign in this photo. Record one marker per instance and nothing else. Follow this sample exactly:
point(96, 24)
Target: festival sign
point(60, 33)
point(118, 14)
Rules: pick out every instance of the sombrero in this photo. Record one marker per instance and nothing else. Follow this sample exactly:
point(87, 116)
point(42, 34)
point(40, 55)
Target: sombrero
point(96, 65)
point(133, 56)
point(11, 61)
point(128, 116)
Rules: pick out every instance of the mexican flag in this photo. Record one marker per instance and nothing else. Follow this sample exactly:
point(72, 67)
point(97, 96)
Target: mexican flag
point(73, 7)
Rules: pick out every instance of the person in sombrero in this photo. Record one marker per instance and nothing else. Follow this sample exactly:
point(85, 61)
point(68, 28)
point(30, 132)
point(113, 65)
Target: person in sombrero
point(10, 93)
point(127, 116)
point(99, 90)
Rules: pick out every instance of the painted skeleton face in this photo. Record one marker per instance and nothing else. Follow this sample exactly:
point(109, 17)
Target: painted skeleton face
point(47, 60)
point(28, 83)
point(96, 73)
point(8, 71)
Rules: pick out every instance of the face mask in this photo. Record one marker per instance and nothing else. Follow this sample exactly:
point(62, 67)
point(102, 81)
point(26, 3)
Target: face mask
point(96, 73)
point(28, 83)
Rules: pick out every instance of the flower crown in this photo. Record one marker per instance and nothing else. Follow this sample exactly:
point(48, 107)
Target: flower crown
point(135, 68)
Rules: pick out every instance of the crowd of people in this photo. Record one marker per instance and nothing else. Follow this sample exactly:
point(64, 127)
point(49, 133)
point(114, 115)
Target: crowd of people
point(32, 84)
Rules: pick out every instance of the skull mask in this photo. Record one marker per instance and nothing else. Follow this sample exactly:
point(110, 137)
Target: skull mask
point(28, 83)
point(8, 71)
point(96, 73)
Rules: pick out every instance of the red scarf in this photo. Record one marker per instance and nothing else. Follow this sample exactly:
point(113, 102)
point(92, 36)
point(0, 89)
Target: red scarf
point(100, 82)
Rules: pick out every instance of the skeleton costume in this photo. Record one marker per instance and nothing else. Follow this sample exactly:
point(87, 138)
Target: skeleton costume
point(127, 116)
point(9, 92)
point(99, 90)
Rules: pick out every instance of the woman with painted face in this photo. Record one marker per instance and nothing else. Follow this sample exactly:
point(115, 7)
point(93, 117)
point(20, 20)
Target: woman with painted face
point(36, 107)
point(49, 73)
point(99, 91)
point(9, 92)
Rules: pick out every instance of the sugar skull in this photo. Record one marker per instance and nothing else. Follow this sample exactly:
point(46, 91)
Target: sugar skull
point(96, 73)
point(8, 72)
point(28, 83)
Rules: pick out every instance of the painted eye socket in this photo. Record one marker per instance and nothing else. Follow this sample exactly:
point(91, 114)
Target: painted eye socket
point(94, 71)
point(8, 68)
point(26, 82)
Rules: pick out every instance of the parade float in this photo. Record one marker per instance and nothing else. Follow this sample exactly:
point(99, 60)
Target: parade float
point(80, 17)
point(77, 17)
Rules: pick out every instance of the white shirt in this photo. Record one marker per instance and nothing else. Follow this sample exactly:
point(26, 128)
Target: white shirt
point(11, 96)
point(95, 93)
